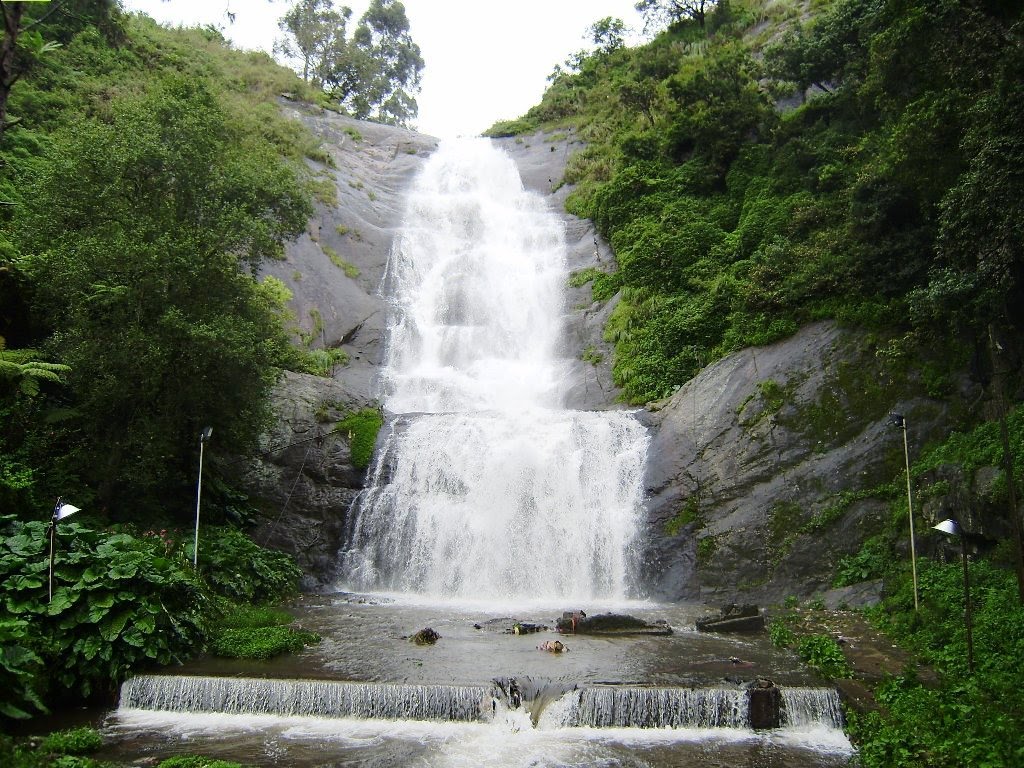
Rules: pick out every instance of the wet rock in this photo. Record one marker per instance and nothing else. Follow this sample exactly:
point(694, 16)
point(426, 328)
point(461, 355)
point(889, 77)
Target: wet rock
point(733, 618)
point(425, 636)
point(609, 624)
point(749, 462)
point(526, 628)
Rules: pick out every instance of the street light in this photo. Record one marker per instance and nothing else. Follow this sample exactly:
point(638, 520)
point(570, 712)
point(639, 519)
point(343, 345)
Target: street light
point(952, 528)
point(898, 421)
point(203, 437)
point(60, 511)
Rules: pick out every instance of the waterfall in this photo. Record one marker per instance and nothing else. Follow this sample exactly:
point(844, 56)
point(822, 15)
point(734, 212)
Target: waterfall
point(310, 698)
point(484, 485)
point(811, 706)
point(643, 707)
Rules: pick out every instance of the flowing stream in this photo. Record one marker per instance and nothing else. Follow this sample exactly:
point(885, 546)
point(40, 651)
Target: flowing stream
point(490, 505)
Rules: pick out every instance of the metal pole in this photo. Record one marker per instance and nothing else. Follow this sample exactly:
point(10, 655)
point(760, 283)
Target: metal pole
point(910, 512)
point(199, 495)
point(53, 530)
point(967, 605)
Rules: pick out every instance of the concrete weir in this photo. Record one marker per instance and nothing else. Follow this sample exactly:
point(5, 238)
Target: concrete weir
point(762, 705)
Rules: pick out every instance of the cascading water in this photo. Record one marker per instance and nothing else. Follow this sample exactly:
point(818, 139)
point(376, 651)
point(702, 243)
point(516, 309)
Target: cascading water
point(485, 486)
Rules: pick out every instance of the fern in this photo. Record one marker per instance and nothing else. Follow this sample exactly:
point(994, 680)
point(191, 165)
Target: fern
point(25, 370)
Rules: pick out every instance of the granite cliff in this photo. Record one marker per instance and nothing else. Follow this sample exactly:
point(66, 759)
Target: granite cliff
point(754, 464)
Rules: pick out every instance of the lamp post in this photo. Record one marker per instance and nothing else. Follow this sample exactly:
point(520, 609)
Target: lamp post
point(203, 437)
point(952, 528)
point(60, 511)
point(899, 421)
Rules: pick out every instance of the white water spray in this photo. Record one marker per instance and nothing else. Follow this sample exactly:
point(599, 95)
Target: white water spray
point(486, 487)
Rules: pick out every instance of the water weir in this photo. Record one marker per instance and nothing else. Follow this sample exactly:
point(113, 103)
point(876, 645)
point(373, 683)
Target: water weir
point(591, 706)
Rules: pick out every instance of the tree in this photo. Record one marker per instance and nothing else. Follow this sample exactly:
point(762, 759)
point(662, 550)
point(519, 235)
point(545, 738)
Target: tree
point(374, 74)
point(658, 13)
point(142, 231)
point(607, 34)
point(316, 35)
point(390, 66)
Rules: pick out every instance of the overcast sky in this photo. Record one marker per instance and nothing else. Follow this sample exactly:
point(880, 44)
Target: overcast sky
point(486, 60)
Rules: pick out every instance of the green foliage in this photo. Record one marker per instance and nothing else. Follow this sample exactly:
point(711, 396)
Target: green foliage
point(967, 719)
point(78, 741)
point(871, 562)
point(362, 428)
point(256, 632)
point(782, 636)
point(168, 331)
point(260, 643)
point(824, 654)
point(350, 270)
point(196, 761)
point(252, 617)
point(733, 224)
point(237, 568)
point(19, 668)
point(374, 73)
point(119, 602)
point(689, 514)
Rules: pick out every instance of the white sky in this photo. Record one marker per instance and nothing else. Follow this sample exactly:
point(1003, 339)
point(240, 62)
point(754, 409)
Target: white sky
point(486, 60)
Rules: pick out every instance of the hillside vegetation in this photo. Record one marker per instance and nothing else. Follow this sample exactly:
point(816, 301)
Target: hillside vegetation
point(855, 159)
point(772, 163)
point(145, 174)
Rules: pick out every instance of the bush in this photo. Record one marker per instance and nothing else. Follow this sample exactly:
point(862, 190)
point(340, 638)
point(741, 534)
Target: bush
point(362, 428)
point(19, 668)
point(79, 741)
point(260, 642)
point(119, 603)
point(238, 568)
point(824, 654)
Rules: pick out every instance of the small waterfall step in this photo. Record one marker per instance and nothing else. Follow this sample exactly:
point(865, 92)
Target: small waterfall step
point(307, 698)
point(549, 705)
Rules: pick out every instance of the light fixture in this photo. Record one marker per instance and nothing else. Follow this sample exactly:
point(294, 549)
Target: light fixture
point(60, 512)
point(203, 437)
point(951, 527)
point(897, 420)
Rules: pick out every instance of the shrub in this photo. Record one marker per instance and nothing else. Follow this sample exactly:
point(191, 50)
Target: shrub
point(19, 667)
point(78, 741)
point(824, 654)
point(260, 642)
point(119, 602)
point(241, 570)
point(362, 428)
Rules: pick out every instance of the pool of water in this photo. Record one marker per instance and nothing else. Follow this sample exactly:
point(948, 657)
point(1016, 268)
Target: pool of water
point(365, 639)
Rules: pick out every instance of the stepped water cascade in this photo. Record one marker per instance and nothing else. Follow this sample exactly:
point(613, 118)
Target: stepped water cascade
point(491, 506)
point(486, 488)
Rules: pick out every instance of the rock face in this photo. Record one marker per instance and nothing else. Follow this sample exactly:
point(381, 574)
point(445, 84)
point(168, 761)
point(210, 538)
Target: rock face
point(303, 481)
point(754, 465)
point(751, 464)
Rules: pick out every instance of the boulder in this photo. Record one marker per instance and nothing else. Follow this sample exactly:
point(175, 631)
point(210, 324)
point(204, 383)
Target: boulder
point(609, 624)
point(733, 618)
point(426, 636)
